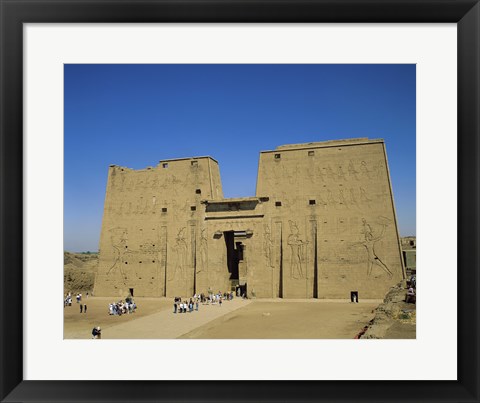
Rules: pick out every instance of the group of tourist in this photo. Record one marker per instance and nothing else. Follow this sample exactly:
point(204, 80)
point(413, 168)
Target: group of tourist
point(67, 301)
point(191, 305)
point(183, 307)
point(121, 307)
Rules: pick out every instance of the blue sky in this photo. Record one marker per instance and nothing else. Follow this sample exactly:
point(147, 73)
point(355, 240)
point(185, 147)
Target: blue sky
point(136, 115)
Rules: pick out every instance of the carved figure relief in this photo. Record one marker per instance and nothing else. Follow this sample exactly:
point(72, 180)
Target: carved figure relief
point(203, 251)
point(364, 199)
point(364, 169)
point(330, 174)
point(353, 198)
point(385, 196)
point(293, 176)
point(320, 174)
point(297, 247)
point(181, 250)
point(369, 244)
point(340, 173)
point(155, 182)
point(118, 241)
point(173, 184)
point(141, 206)
point(379, 169)
point(154, 203)
point(268, 246)
point(331, 200)
point(342, 199)
point(352, 171)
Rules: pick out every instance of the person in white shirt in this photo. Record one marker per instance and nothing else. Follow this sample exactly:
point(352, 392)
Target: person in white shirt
point(410, 295)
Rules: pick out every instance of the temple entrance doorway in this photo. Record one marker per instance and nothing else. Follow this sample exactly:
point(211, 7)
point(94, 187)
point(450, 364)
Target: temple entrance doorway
point(241, 290)
point(236, 263)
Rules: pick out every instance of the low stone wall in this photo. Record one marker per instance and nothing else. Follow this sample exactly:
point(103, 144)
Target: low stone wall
point(393, 311)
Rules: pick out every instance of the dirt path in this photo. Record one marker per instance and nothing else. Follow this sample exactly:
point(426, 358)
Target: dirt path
point(167, 325)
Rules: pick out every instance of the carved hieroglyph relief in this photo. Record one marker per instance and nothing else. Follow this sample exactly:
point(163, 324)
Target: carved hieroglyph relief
point(126, 260)
point(268, 246)
point(298, 253)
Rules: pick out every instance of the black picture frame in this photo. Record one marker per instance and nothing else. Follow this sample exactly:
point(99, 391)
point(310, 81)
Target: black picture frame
point(465, 13)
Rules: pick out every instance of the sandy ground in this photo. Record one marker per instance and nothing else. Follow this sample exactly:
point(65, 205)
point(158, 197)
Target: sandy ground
point(283, 319)
point(237, 319)
point(78, 325)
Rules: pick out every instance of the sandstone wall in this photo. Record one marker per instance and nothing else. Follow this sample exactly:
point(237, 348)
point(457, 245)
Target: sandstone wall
point(336, 220)
point(322, 224)
point(151, 225)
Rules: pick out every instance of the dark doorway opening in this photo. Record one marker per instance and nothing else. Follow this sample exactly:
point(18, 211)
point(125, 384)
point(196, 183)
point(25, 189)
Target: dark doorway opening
point(354, 296)
point(232, 262)
point(234, 254)
point(131, 291)
point(241, 290)
point(239, 249)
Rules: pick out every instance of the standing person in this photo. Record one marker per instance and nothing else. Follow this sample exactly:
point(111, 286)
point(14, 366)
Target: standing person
point(97, 333)
point(196, 305)
point(175, 306)
point(410, 295)
point(84, 308)
point(81, 308)
point(220, 301)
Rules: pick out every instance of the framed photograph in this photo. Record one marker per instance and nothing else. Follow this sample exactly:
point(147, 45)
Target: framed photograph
point(73, 72)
